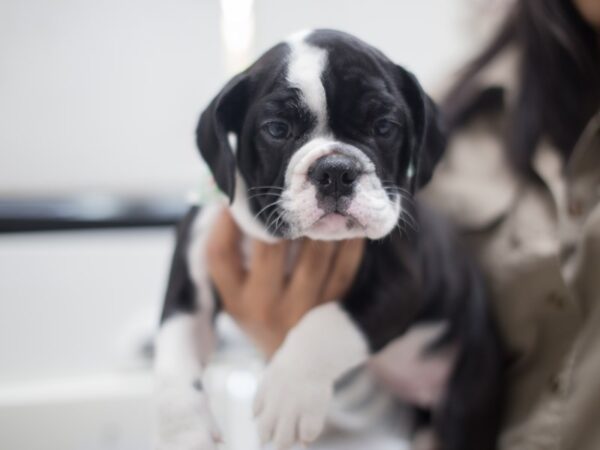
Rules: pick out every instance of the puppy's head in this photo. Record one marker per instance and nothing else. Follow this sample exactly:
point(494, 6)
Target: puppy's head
point(322, 137)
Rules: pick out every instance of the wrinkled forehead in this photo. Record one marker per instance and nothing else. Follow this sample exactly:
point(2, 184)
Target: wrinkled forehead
point(318, 68)
point(305, 70)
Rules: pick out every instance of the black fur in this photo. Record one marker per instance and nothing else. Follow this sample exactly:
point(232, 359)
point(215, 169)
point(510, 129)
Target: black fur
point(425, 276)
point(412, 276)
point(371, 68)
point(181, 292)
point(261, 92)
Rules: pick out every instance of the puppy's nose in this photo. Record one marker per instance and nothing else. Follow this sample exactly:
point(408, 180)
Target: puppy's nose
point(334, 175)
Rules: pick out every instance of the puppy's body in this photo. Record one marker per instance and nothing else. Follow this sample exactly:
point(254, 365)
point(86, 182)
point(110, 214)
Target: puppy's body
point(324, 137)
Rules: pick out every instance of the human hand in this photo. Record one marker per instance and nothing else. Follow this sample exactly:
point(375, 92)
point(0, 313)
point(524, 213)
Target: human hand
point(265, 299)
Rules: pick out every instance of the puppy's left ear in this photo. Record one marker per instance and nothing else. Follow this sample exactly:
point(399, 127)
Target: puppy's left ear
point(430, 136)
point(224, 115)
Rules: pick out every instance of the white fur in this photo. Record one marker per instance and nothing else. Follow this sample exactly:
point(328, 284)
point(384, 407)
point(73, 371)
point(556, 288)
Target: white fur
point(183, 346)
point(186, 341)
point(185, 421)
point(305, 66)
point(371, 211)
point(416, 377)
point(294, 396)
point(296, 390)
point(199, 232)
point(370, 206)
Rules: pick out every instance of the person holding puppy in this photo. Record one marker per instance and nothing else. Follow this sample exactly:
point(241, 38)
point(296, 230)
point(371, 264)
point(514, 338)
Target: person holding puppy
point(521, 180)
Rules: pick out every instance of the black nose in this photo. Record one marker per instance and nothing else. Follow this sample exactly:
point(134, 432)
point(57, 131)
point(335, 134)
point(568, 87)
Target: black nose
point(334, 175)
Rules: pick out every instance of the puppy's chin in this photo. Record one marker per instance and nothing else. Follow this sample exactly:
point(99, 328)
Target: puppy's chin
point(336, 227)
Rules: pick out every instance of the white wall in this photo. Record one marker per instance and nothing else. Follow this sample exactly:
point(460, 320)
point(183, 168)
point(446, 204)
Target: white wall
point(104, 95)
point(70, 302)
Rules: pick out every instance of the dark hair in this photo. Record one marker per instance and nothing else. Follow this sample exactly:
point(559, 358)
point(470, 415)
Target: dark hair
point(558, 78)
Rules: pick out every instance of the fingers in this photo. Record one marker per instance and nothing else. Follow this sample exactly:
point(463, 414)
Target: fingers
point(310, 428)
point(268, 264)
point(285, 433)
point(308, 278)
point(224, 257)
point(312, 267)
point(259, 400)
point(345, 266)
point(266, 424)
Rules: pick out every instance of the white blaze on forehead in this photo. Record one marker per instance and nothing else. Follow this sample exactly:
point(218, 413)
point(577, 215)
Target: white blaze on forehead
point(305, 67)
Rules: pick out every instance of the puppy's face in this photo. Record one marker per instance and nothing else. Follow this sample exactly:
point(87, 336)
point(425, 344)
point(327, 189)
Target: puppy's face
point(322, 137)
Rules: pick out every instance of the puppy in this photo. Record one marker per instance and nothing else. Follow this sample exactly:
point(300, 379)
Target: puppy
point(324, 137)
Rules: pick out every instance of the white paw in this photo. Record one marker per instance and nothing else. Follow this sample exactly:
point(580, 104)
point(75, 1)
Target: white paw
point(185, 421)
point(291, 407)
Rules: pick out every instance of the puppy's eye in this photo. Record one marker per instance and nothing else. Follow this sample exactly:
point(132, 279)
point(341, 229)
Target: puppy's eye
point(277, 129)
point(383, 127)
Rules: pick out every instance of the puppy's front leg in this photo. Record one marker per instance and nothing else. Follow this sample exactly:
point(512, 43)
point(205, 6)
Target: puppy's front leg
point(292, 401)
point(185, 421)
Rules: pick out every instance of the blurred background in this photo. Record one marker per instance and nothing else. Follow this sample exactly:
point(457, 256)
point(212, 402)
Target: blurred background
point(98, 104)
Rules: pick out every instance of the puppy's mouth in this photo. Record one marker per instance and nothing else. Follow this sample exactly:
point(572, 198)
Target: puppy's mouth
point(332, 191)
point(331, 222)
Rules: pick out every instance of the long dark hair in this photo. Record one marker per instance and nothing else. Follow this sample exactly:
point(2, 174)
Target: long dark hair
point(558, 78)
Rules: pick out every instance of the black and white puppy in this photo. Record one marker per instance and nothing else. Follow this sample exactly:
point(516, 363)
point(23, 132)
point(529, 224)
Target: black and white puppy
point(325, 137)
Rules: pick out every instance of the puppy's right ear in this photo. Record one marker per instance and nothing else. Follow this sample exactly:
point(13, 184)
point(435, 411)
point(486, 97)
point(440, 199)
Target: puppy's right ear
point(224, 115)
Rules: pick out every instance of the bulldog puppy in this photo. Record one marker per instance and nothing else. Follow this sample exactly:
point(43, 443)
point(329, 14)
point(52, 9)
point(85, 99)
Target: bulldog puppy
point(324, 137)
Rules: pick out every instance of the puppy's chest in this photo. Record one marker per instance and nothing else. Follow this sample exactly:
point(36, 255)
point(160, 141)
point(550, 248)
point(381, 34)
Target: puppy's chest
point(417, 376)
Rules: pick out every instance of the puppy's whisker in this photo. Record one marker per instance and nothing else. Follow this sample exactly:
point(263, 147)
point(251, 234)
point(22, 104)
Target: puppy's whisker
point(272, 228)
point(279, 222)
point(275, 210)
point(274, 188)
point(275, 221)
point(396, 189)
point(403, 226)
point(266, 194)
point(409, 220)
point(408, 198)
point(393, 187)
point(267, 206)
point(400, 228)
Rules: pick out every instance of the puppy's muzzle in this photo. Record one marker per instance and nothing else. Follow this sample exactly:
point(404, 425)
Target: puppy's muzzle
point(335, 176)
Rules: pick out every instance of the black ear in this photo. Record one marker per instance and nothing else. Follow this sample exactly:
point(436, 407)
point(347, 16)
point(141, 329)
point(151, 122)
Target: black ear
point(430, 136)
point(224, 115)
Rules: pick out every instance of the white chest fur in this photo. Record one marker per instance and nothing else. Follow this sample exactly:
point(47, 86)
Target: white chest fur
point(414, 375)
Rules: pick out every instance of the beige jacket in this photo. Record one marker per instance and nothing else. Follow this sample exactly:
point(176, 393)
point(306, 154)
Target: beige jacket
point(539, 246)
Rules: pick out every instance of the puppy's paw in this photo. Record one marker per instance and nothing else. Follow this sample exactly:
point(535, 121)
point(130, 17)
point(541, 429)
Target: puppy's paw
point(291, 407)
point(185, 421)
